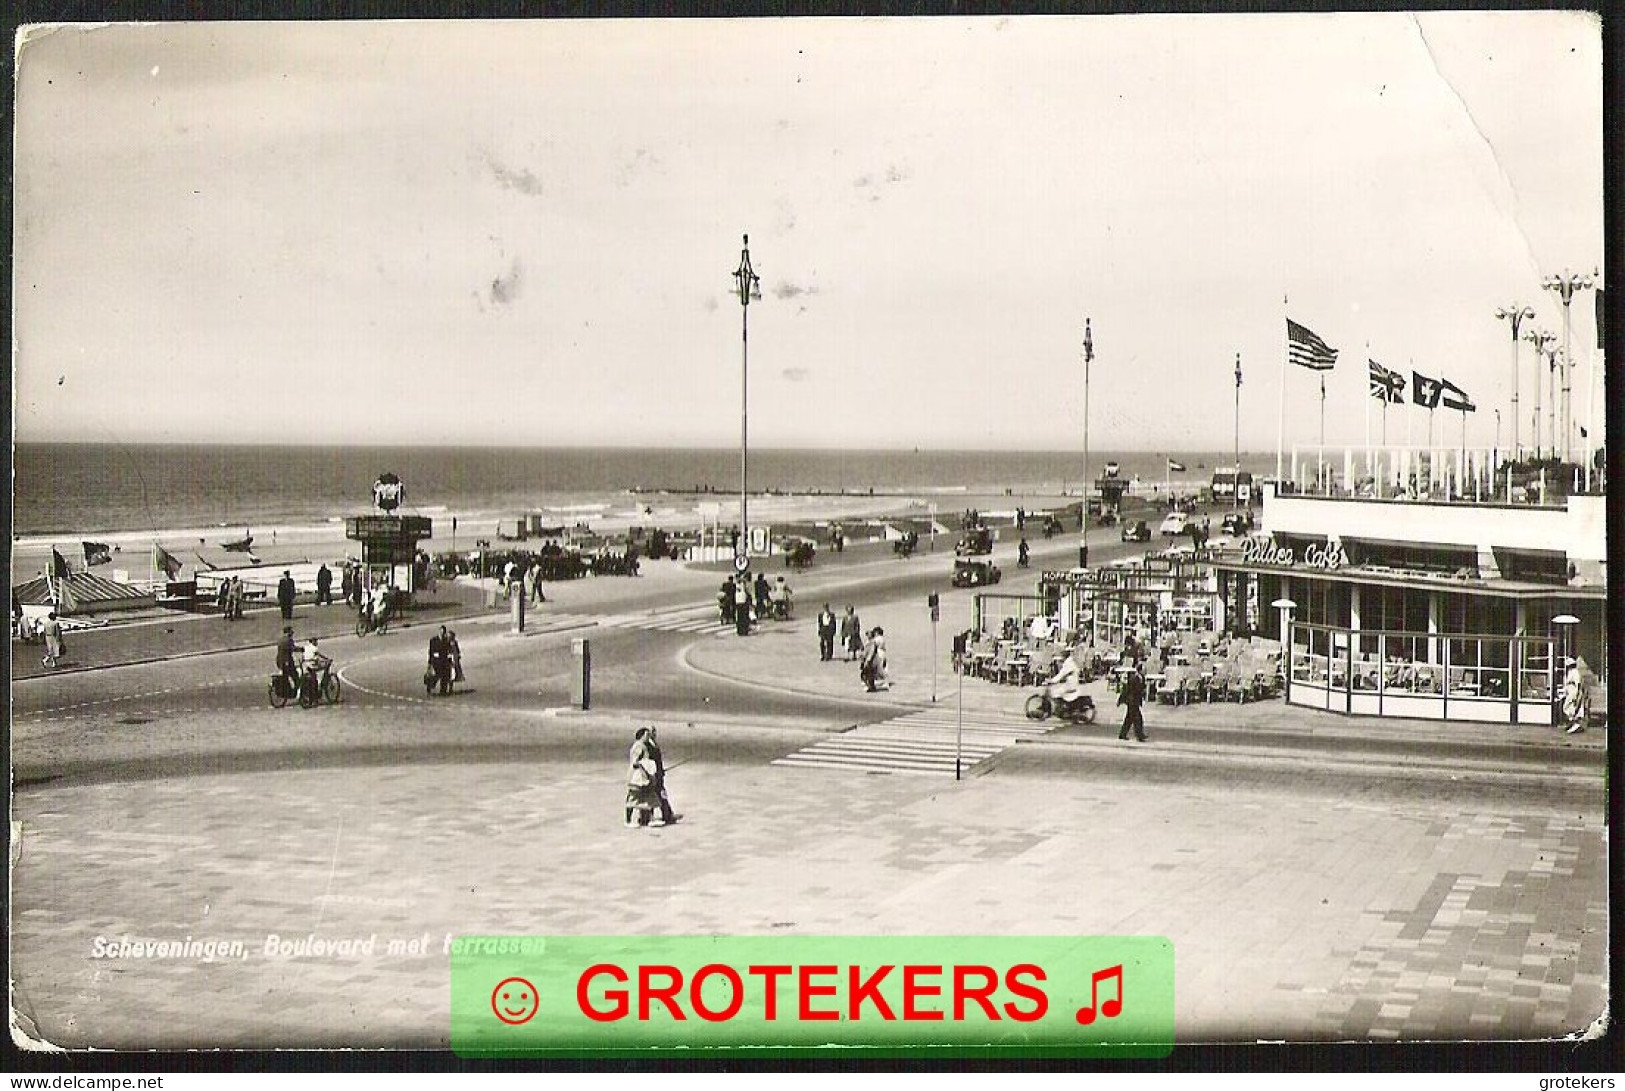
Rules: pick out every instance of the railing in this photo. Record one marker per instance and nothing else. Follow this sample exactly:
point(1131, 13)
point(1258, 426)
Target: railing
point(1443, 475)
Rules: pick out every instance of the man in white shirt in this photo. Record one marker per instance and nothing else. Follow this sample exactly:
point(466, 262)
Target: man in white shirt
point(1040, 628)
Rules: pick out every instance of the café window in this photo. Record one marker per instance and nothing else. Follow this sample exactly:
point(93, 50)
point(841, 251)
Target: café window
point(1323, 602)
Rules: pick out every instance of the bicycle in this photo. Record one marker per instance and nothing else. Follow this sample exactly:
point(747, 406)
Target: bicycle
point(281, 690)
point(378, 624)
point(313, 692)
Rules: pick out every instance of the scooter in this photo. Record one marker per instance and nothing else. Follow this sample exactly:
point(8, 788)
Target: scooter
point(1079, 710)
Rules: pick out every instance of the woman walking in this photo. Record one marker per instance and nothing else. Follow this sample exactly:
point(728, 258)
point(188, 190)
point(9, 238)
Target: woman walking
point(641, 782)
point(851, 634)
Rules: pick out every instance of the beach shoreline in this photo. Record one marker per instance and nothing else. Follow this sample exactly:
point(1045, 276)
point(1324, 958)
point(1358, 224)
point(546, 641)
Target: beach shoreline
point(202, 547)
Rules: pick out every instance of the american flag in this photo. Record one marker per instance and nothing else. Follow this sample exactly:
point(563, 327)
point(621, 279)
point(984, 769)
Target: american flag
point(1305, 348)
point(1386, 385)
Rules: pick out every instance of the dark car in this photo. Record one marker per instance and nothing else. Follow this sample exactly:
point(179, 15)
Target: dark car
point(975, 573)
point(1234, 524)
point(1137, 531)
point(976, 542)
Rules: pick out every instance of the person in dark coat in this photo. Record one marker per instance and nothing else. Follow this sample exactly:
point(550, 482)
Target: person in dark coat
point(826, 634)
point(661, 801)
point(440, 660)
point(1132, 697)
point(287, 658)
point(324, 586)
point(851, 634)
point(763, 590)
point(725, 601)
point(285, 591)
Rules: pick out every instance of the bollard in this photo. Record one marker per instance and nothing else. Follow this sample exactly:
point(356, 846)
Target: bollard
point(516, 608)
point(581, 673)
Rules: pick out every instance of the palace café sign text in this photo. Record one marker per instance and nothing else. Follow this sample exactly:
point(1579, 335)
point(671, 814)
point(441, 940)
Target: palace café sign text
point(1266, 551)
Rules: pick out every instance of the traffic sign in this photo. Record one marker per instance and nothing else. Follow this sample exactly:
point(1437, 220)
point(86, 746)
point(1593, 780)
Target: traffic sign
point(741, 562)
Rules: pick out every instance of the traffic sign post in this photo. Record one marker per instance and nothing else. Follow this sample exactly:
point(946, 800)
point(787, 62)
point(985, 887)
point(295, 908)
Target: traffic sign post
point(935, 604)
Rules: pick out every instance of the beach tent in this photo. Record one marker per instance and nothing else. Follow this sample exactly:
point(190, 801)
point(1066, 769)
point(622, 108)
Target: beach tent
point(82, 593)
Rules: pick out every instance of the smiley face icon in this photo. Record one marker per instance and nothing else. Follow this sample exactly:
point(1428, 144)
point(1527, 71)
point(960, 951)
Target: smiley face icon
point(515, 1001)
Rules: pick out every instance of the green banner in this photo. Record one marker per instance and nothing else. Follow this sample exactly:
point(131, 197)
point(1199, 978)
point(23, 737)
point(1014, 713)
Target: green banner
point(937, 996)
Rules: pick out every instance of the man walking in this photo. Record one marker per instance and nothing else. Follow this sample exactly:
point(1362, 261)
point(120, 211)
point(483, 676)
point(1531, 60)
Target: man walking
point(1133, 696)
point(440, 660)
point(826, 634)
point(324, 586)
point(284, 594)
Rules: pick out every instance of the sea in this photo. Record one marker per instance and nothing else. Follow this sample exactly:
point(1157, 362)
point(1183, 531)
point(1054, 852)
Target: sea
point(74, 489)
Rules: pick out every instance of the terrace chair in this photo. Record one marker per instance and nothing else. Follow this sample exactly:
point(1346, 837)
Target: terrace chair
point(1172, 690)
point(1005, 666)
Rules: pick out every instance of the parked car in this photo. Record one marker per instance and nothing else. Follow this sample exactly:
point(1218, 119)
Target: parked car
point(1174, 525)
point(1136, 531)
point(1234, 524)
point(969, 573)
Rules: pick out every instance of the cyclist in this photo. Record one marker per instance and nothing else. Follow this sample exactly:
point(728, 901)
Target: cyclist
point(315, 666)
point(377, 605)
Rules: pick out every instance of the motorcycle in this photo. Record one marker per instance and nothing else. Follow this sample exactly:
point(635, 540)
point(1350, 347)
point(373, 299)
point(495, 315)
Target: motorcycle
point(1079, 710)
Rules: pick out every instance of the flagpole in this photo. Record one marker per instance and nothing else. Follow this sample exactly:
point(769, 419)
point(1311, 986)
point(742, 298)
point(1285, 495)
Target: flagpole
point(1368, 407)
point(1409, 418)
point(1235, 491)
point(1280, 433)
point(1320, 452)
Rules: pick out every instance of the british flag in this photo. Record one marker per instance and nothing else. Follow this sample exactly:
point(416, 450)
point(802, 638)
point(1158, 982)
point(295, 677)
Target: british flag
point(1386, 385)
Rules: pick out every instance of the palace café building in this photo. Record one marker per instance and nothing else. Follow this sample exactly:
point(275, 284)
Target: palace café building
point(1451, 609)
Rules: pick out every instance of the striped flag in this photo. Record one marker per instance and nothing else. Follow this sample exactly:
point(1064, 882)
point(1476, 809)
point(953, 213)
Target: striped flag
point(1175, 467)
point(1454, 397)
point(1426, 392)
point(1306, 349)
point(59, 565)
point(1387, 386)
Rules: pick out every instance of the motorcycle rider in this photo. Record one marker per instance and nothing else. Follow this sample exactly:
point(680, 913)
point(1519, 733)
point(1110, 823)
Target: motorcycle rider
point(1066, 684)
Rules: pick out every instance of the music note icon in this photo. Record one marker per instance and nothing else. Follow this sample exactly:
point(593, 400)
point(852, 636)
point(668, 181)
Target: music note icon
point(1109, 1008)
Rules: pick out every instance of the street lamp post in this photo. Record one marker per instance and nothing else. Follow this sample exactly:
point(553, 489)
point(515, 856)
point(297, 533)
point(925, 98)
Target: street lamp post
point(1286, 606)
point(748, 285)
point(1565, 286)
point(1083, 517)
point(1540, 339)
point(1565, 626)
point(1515, 314)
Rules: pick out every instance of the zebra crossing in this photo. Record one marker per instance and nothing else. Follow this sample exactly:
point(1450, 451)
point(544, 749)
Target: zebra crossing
point(689, 619)
point(921, 743)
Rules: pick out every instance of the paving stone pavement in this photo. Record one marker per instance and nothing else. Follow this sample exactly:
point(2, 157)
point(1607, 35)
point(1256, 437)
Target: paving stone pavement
point(1292, 916)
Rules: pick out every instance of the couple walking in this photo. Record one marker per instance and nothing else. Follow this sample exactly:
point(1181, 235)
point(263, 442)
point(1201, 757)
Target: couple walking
point(646, 783)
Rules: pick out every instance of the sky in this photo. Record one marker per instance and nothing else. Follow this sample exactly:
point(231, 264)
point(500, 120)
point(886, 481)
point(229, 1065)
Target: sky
point(524, 233)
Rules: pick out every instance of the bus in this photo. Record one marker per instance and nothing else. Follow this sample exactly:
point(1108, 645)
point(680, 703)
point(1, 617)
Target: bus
point(1227, 479)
